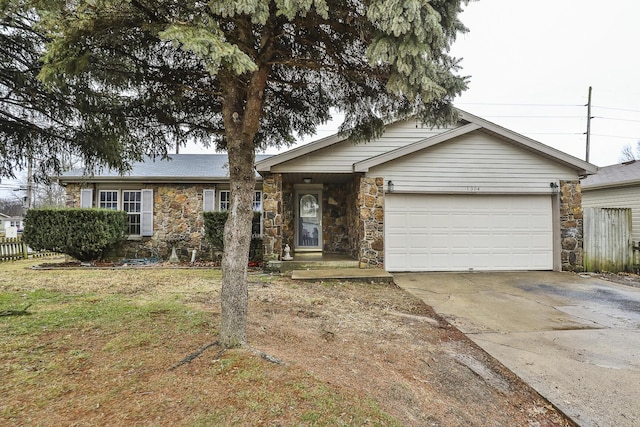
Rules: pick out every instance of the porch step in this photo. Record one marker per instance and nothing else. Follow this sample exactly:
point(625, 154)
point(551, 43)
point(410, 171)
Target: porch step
point(319, 265)
point(354, 274)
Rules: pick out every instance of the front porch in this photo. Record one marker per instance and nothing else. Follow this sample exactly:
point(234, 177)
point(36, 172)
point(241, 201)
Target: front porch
point(329, 220)
point(318, 261)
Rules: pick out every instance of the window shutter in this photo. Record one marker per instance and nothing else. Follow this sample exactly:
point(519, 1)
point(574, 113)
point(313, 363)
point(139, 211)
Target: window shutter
point(86, 198)
point(208, 200)
point(146, 216)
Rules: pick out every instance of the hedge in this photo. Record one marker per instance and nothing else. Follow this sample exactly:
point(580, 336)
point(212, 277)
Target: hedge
point(84, 234)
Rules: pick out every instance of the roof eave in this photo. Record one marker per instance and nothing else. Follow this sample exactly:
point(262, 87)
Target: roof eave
point(146, 179)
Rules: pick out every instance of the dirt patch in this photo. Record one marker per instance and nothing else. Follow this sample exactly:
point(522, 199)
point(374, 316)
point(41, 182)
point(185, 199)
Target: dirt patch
point(352, 353)
point(629, 279)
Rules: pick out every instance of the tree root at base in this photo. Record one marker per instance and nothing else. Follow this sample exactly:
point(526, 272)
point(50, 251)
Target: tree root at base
point(190, 358)
point(195, 354)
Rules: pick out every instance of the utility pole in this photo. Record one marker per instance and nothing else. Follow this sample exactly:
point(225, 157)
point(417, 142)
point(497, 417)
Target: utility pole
point(586, 157)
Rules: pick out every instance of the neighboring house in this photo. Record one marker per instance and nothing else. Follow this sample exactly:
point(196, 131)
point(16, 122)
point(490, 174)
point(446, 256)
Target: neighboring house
point(164, 199)
point(472, 196)
point(468, 197)
point(615, 186)
point(7, 221)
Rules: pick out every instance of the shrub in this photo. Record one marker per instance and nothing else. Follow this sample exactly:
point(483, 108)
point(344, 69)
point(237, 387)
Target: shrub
point(84, 234)
point(214, 232)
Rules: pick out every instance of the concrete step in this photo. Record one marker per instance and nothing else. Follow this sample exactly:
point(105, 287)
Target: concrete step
point(351, 274)
point(318, 265)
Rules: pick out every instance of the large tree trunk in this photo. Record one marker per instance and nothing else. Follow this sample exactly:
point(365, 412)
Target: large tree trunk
point(237, 239)
point(242, 107)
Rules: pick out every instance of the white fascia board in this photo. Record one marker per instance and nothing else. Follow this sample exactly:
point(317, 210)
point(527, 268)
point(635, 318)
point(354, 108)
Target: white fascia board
point(365, 165)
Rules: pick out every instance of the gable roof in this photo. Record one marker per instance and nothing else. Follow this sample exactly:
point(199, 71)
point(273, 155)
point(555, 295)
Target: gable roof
point(177, 168)
point(620, 175)
point(468, 123)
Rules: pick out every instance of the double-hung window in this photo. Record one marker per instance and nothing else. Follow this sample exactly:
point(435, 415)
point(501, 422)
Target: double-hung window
point(132, 205)
point(108, 200)
point(225, 200)
point(138, 204)
point(225, 203)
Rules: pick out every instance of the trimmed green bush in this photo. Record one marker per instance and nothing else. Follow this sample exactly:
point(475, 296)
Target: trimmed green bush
point(214, 232)
point(84, 234)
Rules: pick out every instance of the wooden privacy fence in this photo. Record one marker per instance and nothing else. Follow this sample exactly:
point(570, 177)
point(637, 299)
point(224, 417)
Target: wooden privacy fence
point(607, 240)
point(12, 249)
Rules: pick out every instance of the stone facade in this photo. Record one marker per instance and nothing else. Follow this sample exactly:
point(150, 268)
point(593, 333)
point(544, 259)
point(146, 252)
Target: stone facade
point(273, 217)
point(571, 226)
point(279, 213)
point(335, 225)
point(371, 222)
point(177, 217)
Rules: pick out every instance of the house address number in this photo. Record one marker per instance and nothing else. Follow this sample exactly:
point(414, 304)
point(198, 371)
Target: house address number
point(473, 189)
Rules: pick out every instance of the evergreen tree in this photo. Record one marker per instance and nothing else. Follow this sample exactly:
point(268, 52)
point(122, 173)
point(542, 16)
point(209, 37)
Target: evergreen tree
point(247, 74)
point(46, 126)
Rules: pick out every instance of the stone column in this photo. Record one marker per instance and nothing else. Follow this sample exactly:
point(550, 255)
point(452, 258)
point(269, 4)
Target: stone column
point(371, 207)
point(571, 226)
point(272, 216)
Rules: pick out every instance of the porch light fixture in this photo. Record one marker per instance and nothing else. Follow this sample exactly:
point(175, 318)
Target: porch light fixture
point(306, 180)
point(390, 186)
point(554, 187)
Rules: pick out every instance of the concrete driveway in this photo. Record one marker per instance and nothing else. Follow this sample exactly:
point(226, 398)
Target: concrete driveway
point(574, 338)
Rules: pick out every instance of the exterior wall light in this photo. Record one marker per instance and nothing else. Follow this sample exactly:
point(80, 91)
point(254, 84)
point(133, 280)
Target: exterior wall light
point(554, 187)
point(390, 186)
point(306, 180)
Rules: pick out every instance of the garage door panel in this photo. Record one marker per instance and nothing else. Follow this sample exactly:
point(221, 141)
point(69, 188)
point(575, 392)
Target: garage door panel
point(461, 233)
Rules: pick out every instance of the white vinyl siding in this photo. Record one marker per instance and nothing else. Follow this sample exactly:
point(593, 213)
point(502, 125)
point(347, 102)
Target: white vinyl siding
point(208, 200)
point(86, 198)
point(477, 162)
point(621, 197)
point(468, 232)
point(340, 157)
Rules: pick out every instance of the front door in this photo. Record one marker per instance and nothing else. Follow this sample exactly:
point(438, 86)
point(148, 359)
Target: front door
point(309, 223)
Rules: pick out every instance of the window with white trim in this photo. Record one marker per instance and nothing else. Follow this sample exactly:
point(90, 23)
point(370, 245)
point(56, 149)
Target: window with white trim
point(137, 203)
point(225, 200)
point(108, 199)
point(132, 205)
point(257, 201)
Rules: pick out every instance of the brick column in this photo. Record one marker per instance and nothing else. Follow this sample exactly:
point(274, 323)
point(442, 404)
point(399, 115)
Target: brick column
point(272, 216)
point(571, 226)
point(371, 208)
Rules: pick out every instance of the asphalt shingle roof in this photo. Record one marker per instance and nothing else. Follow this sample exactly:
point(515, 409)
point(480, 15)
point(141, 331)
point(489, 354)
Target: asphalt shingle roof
point(177, 166)
point(625, 173)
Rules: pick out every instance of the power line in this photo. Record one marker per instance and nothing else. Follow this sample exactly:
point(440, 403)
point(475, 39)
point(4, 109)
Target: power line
point(616, 136)
point(617, 109)
point(619, 120)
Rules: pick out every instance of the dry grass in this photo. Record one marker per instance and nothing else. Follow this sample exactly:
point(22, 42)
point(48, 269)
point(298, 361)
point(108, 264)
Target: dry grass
point(98, 346)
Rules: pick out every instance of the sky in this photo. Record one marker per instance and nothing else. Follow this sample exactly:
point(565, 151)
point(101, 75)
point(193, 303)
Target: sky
point(530, 65)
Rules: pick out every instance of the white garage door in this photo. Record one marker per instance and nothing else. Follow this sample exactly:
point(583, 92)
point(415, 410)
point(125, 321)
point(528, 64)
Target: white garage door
point(462, 233)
